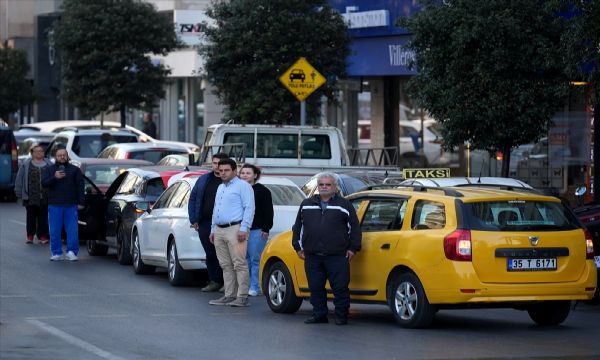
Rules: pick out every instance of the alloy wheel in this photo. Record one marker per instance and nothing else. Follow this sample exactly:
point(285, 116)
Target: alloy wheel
point(405, 300)
point(277, 287)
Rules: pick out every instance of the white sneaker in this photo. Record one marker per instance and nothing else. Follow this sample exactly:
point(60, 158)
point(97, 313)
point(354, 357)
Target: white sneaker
point(71, 256)
point(56, 258)
point(252, 292)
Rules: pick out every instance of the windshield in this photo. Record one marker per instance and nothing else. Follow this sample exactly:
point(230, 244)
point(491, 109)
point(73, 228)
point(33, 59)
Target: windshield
point(153, 155)
point(103, 174)
point(89, 146)
point(286, 195)
point(519, 215)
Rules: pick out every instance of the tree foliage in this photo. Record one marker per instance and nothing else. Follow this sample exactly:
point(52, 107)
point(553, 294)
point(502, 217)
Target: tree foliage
point(490, 71)
point(15, 89)
point(104, 48)
point(581, 42)
point(255, 41)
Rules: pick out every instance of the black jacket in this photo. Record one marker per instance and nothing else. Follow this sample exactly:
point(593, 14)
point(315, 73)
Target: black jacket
point(263, 213)
point(66, 191)
point(329, 232)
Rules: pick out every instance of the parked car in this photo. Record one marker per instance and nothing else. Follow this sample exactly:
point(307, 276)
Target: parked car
point(119, 207)
point(354, 181)
point(425, 250)
point(8, 163)
point(143, 151)
point(87, 143)
point(103, 172)
point(162, 236)
point(58, 126)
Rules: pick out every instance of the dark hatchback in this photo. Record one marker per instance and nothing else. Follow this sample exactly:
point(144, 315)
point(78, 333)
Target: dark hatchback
point(355, 181)
point(134, 185)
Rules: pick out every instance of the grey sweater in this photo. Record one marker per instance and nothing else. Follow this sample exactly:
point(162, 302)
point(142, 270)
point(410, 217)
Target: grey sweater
point(22, 181)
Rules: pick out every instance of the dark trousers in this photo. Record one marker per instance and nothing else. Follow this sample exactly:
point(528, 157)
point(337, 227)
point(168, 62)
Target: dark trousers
point(37, 221)
point(336, 269)
point(215, 273)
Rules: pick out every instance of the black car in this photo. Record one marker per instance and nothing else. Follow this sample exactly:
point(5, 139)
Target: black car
point(119, 204)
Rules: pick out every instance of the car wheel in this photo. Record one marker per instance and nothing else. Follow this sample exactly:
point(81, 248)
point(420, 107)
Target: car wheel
point(123, 246)
point(138, 265)
point(549, 313)
point(279, 287)
point(177, 276)
point(96, 249)
point(408, 302)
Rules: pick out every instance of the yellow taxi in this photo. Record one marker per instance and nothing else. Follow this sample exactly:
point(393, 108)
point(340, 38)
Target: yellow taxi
point(426, 249)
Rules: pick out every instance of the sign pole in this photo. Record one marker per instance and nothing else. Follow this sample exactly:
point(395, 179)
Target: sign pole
point(302, 113)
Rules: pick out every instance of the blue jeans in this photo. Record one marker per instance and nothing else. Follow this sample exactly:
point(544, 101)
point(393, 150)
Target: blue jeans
point(256, 245)
point(57, 217)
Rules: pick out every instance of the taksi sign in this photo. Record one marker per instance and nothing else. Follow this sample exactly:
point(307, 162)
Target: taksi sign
point(426, 173)
point(301, 79)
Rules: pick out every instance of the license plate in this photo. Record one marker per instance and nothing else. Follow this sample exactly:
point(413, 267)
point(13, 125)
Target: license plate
point(531, 264)
point(597, 261)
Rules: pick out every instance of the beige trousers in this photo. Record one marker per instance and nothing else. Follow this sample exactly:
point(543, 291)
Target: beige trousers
point(232, 258)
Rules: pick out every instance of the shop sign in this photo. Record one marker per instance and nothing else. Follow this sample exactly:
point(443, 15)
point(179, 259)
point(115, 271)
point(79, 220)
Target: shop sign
point(190, 26)
point(365, 19)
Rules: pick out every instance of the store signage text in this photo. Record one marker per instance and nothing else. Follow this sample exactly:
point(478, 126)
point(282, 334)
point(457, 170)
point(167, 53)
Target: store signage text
point(365, 19)
point(400, 56)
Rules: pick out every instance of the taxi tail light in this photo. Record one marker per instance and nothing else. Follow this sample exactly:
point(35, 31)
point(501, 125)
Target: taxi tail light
point(457, 245)
point(589, 245)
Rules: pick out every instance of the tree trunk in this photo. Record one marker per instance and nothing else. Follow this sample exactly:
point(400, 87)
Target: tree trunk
point(505, 159)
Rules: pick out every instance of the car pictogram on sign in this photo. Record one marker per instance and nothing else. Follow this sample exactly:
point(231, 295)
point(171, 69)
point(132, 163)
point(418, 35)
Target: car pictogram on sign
point(297, 74)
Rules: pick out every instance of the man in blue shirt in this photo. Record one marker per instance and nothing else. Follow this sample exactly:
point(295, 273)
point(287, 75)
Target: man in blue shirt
point(231, 222)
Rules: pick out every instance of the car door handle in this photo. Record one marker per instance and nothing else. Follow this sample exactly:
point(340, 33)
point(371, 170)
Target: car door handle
point(385, 246)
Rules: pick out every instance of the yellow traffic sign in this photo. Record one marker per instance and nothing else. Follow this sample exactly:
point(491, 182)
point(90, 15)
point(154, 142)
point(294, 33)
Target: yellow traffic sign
point(301, 79)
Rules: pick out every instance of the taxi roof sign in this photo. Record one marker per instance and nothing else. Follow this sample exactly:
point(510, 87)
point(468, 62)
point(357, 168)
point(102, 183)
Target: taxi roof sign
point(437, 173)
point(301, 79)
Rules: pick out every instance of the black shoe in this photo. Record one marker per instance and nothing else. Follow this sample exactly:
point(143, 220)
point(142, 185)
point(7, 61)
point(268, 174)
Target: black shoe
point(211, 287)
point(316, 320)
point(341, 321)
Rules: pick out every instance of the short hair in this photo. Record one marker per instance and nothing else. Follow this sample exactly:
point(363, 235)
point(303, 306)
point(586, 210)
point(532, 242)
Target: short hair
point(255, 170)
point(35, 145)
point(220, 156)
point(330, 175)
point(228, 161)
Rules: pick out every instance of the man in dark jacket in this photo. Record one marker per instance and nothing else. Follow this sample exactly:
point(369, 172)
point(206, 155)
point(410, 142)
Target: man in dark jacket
point(65, 196)
point(327, 235)
point(200, 210)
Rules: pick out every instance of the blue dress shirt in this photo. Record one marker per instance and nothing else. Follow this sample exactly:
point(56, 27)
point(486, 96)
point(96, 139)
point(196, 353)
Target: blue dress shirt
point(234, 202)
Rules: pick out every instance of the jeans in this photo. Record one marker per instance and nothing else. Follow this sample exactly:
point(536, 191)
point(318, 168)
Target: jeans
point(256, 245)
point(336, 268)
point(57, 217)
point(215, 273)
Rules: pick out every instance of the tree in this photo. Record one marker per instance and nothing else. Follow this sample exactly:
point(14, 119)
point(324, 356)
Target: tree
point(104, 48)
point(490, 71)
point(256, 41)
point(581, 49)
point(15, 89)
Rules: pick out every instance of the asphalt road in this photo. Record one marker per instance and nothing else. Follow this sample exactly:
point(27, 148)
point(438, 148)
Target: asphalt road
point(98, 309)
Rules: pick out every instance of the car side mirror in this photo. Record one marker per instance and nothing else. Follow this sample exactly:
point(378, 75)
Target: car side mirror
point(142, 207)
point(580, 191)
point(88, 189)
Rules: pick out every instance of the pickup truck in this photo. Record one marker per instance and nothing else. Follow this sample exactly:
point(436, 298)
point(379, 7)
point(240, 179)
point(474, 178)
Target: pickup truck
point(295, 152)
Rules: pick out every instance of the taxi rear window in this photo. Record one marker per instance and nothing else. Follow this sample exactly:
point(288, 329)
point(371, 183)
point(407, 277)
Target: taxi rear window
point(519, 215)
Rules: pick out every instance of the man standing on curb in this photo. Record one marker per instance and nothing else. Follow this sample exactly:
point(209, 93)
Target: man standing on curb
point(65, 196)
point(200, 211)
point(231, 222)
point(326, 236)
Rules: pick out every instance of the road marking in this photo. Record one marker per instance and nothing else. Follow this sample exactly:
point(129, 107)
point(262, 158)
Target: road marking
point(13, 296)
point(18, 222)
point(74, 340)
